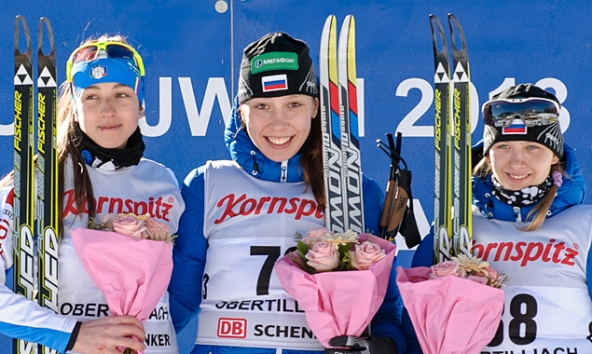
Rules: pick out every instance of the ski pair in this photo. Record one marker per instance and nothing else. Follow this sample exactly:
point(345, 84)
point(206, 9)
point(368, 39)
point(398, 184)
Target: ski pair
point(341, 140)
point(35, 178)
point(452, 142)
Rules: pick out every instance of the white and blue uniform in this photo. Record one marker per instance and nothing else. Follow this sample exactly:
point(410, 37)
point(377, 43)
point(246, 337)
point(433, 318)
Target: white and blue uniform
point(242, 215)
point(148, 187)
point(548, 299)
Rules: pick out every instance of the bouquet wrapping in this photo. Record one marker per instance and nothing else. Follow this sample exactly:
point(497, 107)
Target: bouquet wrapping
point(339, 302)
point(131, 270)
point(454, 313)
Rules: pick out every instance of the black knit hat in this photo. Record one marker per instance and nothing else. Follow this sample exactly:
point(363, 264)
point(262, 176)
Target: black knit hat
point(276, 65)
point(549, 135)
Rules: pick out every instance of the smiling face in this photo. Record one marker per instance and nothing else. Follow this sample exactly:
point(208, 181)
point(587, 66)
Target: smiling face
point(520, 164)
point(108, 113)
point(279, 126)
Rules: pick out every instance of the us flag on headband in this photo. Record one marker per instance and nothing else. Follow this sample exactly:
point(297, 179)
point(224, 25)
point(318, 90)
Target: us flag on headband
point(274, 83)
point(517, 127)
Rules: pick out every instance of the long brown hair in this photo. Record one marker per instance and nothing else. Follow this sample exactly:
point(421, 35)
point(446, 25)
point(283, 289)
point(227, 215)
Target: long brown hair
point(538, 214)
point(311, 160)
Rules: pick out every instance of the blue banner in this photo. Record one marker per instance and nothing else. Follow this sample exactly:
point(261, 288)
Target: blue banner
point(192, 51)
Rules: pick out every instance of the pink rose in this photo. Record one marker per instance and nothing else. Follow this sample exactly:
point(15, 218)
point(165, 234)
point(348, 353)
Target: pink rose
point(107, 220)
point(314, 236)
point(366, 255)
point(478, 279)
point(129, 226)
point(156, 231)
point(445, 268)
point(323, 256)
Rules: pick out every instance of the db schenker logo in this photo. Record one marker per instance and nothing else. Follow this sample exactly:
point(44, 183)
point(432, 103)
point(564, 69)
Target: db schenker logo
point(232, 327)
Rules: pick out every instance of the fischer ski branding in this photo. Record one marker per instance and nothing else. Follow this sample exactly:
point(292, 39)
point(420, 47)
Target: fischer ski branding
point(47, 173)
point(46, 218)
point(452, 177)
point(462, 224)
point(24, 258)
point(339, 114)
point(443, 147)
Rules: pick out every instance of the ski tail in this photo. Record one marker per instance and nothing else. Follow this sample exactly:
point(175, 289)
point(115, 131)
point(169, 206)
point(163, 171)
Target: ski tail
point(350, 138)
point(24, 277)
point(47, 174)
point(442, 146)
point(462, 141)
point(334, 208)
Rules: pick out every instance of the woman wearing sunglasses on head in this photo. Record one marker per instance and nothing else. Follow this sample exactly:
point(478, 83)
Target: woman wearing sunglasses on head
point(529, 222)
point(242, 215)
point(101, 170)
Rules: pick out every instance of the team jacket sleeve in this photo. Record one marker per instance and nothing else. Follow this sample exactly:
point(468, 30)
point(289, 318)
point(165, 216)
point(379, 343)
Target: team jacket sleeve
point(387, 321)
point(189, 253)
point(424, 255)
point(20, 317)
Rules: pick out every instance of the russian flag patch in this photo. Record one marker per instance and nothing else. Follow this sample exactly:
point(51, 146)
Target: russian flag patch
point(517, 127)
point(274, 83)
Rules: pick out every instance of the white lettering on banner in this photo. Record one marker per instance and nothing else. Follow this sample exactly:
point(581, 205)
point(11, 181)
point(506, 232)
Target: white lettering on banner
point(409, 129)
point(198, 122)
point(165, 110)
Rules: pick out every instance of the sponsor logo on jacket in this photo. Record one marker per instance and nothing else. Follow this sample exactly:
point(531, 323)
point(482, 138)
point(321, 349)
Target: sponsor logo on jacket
point(525, 252)
point(158, 208)
point(233, 206)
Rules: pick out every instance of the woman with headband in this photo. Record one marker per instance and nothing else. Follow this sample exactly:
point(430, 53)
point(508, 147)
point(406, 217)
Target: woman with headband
point(101, 170)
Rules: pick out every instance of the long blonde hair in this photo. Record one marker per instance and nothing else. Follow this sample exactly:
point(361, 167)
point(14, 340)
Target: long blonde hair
point(538, 214)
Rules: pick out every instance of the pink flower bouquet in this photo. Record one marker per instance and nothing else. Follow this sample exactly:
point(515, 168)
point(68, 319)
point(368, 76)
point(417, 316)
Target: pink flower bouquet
point(455, 306)
point(127, 260)
point(337, 302)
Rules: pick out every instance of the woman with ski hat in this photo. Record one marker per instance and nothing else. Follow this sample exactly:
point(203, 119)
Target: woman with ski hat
point(529, 223)
point(101, 170)
point(242, 215)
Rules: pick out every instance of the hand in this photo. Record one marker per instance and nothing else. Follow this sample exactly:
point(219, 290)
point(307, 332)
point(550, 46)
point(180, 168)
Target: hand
point(358, 345)
point(104, 335)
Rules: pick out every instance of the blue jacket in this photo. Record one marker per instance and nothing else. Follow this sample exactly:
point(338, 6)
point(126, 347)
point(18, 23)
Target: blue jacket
point(191, 246)
point(572, 192)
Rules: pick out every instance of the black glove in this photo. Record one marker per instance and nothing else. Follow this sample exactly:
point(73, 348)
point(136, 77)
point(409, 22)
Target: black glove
point(358, 345)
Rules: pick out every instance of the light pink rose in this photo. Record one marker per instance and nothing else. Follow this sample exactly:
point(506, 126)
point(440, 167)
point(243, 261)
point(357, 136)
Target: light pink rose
point(107, 220)
point(443, 269)
point(478, 279)
point(314, 236)
point(366, 255)
point(323, 256)
point(129, 226)
point(156, 231)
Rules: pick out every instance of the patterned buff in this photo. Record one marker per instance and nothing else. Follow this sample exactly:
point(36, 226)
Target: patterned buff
point(525, 196)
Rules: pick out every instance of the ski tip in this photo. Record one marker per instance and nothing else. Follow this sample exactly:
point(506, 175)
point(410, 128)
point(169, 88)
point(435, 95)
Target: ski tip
point(40, 32)
point(21, 20)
